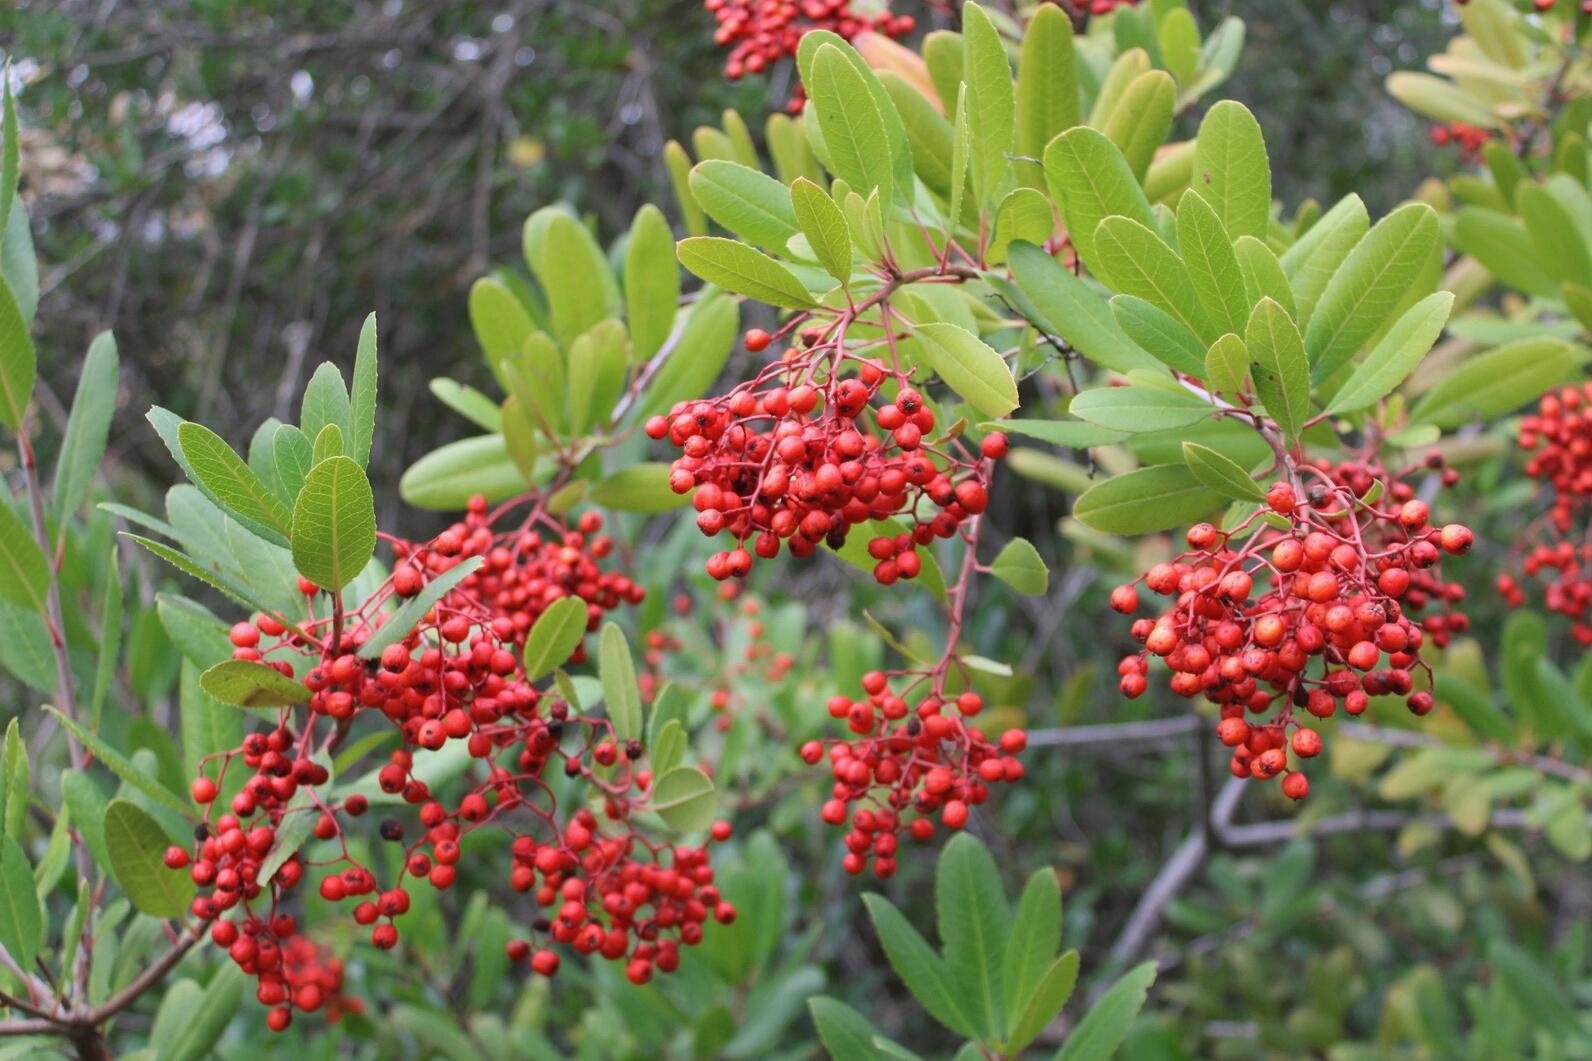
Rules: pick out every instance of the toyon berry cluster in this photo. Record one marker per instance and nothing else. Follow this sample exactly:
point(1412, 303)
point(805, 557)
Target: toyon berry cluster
point(910, 765)
point(759, 33)
point(812, 447)
point(1313, 602)
point(1470, 139)
point(1559, 438)
point(455, 675)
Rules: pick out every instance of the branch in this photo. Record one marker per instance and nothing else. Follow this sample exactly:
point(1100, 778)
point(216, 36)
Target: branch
point(1152, 731)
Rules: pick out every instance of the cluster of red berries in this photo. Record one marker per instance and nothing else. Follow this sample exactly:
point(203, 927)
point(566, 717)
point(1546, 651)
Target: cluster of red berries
point(1335, 581)
point(790, 458)
point(1470, 139)
point(607, 901)
point(910, 766)
point(1100, 7)
point(1559, 438)
point(761, 32)
point(455, 676)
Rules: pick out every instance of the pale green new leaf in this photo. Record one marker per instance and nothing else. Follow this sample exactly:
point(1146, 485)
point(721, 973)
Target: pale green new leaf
point(991, 105)
point(1395, 356)
point(751, 204)
point(1373, 280)
point(1138, 124)
point(1231, 170)
point(824, 226)
point(1047, 87)
point(334, 524)
point(736, 267)
point(652, 282)
point(1019, 565)
point(969, 366)
point(1227, 365)
point(685, 798)
point(853, 128)
point(1561, 245)
point(1212, 264)
point(1090, 180)
point(1313, 260)
point(1133, 260)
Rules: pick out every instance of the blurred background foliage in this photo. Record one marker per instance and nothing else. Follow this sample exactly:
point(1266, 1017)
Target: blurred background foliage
point(233, 184)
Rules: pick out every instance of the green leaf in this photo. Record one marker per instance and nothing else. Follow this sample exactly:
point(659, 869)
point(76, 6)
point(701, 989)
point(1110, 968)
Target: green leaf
point(14, 782)
point(1438, 99)
point(220, 472)
point(10, 162)
point(399, 624)
point(685, 799)
point(991, 106)
point(1030, 948)
point(617, 669)
point(598, 363)
point(1047, 87)
point(1129, 64)
point(1503, 247)
point(736, 267)
point(1498, 381)
point(845, 1033)
point(1227, 365)
point(498, 319)
point(711, 327)
point(1313, 260)
point(1024, 215)
point(137, 846)
point(973, 921)
point(121, 766)
point(334, 524)
point(1560, 243)
point(1133, 260)
point(1231, 170)
point(471, 403)
point(1263, 273)
point(1221, 473)
point(1279, 368)
point(208, 726)
point(854, 130)
point(961, 159)
point(191, 1019)
point(329, 443)
point(1018, 564)
point(1157, 498)
point(640, 487)
point(1103, 1028)
point(1395, 356)
point(1167, 340)
point(1041, 1005)
point(1090, 180)
point(572, 271)
point(1212, 264)
point(326, 402)
point(652, 282)
point(24, 569)
point(969, 366)
point(920, 968)
point(1071, 434)
point(247, 683)
point(1370, 285)
point(753, 205)
point(1140, 408)
point(1138, 124)
point(295, 456)
point(362, 400)
point(86, 805)
point(21, 920)
point(447, 477)
point(554, 636)
point(87, 428)
point(19, 362)
point(1071, 309)
point(824, 226)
